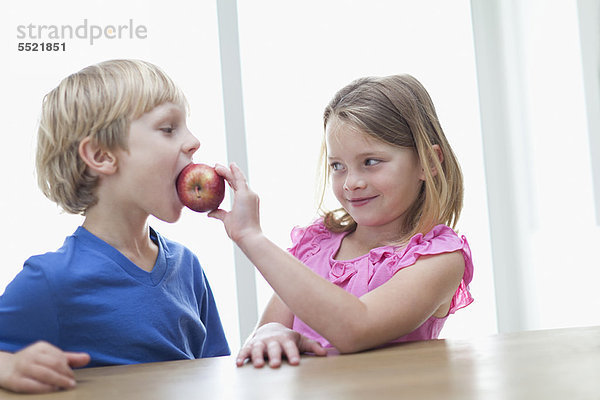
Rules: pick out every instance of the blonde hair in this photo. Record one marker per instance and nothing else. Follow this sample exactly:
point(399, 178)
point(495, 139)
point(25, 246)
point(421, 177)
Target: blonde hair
point(398, 110)
point(100, 102)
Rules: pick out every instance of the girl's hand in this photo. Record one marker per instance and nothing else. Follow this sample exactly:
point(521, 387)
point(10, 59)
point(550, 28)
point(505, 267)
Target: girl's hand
point(274, 340)
point(40, 368)
point(243, 220)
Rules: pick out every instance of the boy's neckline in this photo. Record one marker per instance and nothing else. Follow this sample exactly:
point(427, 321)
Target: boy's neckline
point(150, 278)
point(141, 251)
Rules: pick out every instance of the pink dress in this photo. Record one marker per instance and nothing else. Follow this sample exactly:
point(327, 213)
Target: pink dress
point(316, 247)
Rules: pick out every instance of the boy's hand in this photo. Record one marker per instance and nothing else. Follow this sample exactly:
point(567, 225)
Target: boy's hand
point(243, 220)
point(275, 340)
point(40, 368)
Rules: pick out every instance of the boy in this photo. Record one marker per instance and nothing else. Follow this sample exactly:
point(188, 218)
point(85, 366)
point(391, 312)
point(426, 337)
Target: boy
point(111, 142)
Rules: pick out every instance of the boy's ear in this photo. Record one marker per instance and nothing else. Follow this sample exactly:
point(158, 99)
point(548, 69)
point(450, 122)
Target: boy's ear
point(438, 152)
point(98, 160)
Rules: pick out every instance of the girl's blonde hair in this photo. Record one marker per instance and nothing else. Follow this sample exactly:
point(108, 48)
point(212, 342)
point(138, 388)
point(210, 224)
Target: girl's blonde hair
point(100, 102)
point(398, 110)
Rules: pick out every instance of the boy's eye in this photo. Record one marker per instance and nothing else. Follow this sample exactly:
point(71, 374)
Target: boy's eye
point(371, 161)
point(167, 129)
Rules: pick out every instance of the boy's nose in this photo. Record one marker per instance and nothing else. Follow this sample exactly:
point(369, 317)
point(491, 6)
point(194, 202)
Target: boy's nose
point(191, 145)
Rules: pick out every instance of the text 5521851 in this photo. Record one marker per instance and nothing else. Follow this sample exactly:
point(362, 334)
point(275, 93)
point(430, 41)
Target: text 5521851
point(42, 46)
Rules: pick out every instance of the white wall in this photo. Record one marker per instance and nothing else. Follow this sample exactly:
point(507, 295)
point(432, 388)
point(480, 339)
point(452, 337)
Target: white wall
point(543, 230)
point(564, 232)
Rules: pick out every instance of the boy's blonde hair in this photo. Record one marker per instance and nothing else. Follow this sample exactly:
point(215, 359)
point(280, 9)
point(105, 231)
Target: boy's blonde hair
point(398, 111)
point(100, 102)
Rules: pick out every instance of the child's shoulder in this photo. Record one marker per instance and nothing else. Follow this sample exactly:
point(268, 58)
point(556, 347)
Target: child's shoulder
point(441, 235)
point(440, 239)
point(316, 227)
point(56, 258)
point(54, 269)
point(310, 239)
point(316, 231)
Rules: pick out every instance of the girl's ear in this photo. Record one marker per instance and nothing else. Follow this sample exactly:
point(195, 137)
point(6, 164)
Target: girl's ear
point(98, 160)
point(440, 155)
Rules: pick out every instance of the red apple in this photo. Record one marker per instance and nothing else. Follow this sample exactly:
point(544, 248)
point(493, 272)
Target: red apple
point(200, 188)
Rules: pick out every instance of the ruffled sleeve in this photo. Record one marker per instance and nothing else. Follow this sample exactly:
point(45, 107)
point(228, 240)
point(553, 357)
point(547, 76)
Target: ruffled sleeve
point(306, 241)
point(440, 239)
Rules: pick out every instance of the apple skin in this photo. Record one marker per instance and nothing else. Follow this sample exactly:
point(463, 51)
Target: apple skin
point(200, 188)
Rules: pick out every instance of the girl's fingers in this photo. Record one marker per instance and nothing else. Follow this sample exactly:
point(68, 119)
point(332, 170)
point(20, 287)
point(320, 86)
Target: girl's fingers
point(274, 354)
point(242, 356)
point(227, 175)
point(218, 214)
point(291, 352)
point(258, 354)
point(233, 175)
point(239, 177)
point(313, 346)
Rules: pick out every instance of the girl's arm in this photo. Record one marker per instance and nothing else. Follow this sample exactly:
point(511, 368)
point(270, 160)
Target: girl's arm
point(273, 338)
point(349, 323)
point(276, 311)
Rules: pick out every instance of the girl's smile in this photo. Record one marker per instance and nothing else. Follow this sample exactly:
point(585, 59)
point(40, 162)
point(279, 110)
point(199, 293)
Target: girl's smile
point(360, 201)
point(375, 182)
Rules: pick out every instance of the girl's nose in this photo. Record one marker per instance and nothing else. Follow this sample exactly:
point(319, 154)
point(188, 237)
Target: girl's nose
point(353, 182)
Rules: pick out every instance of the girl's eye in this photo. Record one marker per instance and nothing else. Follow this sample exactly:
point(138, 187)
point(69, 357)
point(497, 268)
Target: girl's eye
point(167, 129)
point(335, 166)
point(371, 161)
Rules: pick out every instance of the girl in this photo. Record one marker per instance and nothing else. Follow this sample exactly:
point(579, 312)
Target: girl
point(386, 266)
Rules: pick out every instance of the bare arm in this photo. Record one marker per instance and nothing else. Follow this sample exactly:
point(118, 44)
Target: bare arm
point(352, 324)
point(276, 311)
point(349, 323)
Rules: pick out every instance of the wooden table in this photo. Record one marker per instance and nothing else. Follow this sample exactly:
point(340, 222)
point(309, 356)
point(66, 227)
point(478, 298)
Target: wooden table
point(552, 364)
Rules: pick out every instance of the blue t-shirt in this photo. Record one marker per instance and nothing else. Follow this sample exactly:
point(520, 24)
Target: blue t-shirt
point(89, 297)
